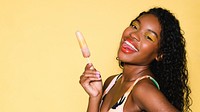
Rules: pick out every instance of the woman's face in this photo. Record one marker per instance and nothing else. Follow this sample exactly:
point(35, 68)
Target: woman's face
point(140, 41)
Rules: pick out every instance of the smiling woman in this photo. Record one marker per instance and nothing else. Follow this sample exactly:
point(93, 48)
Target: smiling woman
point(140, 34)
point(154, 77)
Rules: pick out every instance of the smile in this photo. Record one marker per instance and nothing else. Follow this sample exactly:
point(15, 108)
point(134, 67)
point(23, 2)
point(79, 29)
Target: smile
point(130, 45)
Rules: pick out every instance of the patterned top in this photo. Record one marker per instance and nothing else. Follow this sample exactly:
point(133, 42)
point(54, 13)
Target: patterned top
point(118, 107)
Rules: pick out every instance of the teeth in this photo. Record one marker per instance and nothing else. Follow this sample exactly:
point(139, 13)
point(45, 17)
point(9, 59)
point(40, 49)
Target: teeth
point(128, 43)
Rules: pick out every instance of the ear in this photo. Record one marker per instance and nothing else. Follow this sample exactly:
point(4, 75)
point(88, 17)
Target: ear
point(159, 57)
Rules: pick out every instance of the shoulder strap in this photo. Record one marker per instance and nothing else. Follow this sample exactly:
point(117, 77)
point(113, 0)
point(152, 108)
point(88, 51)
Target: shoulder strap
point(155, 82)
point(143, 77)
point(112, 84)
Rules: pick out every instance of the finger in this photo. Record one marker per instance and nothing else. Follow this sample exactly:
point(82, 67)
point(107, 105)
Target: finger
point(88, 76)
point(89, 66)
point(91, 77)
point(85, 81)
point(91, 74)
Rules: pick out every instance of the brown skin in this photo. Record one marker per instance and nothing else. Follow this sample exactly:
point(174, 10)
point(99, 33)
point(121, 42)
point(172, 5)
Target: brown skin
point(144, 34)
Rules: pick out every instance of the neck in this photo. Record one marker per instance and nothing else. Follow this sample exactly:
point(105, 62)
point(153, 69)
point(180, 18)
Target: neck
point(132, 72)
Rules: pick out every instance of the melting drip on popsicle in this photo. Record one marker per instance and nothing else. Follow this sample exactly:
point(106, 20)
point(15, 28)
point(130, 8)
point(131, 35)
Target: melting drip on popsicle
point(83, 45)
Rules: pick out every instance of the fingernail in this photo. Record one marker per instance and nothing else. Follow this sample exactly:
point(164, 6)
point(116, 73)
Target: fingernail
point(91, 68)
point(98, 75)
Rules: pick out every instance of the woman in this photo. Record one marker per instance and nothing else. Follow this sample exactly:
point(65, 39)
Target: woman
point(154, 74)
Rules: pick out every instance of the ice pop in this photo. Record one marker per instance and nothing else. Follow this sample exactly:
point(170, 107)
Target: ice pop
point(83, 45)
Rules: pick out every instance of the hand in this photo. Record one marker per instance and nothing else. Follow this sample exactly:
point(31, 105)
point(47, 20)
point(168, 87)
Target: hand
point(91, 81)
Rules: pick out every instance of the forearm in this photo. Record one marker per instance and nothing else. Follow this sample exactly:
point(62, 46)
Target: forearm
point(94, 104)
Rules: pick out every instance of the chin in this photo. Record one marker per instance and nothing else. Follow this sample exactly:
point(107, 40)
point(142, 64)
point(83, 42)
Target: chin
point(123, 58)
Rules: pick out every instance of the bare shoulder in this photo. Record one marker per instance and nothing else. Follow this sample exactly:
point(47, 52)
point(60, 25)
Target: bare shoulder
point(145, 85)
point(146, 95)
point(144, 90)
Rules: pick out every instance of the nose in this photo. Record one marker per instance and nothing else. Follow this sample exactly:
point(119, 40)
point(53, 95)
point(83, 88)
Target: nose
point(134, 36)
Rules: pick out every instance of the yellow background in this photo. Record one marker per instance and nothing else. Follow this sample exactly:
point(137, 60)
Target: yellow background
point(40, 59)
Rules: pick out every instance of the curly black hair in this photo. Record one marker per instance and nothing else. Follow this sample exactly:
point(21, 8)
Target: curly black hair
point(171, 70)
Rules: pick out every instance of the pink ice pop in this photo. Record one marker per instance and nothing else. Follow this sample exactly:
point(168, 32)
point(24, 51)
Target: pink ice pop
point(83, 45)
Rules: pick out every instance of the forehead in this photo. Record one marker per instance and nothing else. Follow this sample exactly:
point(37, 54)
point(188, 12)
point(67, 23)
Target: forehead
point(149, 21)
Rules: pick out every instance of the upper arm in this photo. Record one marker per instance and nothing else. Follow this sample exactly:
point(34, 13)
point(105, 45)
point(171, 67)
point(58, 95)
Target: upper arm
point(149, 98)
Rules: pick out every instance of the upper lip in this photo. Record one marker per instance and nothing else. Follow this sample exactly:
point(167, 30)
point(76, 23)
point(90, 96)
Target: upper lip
point(131, 44)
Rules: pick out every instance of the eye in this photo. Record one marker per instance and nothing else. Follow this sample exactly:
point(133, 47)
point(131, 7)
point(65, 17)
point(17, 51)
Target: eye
point(150, 38)
point(135, 25)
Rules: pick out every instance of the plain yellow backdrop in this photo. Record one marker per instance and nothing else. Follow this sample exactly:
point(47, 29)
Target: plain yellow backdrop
point(40, 59)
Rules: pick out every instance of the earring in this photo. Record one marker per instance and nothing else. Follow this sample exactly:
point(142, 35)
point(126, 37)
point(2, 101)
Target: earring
point(120, 63)
point(159, 58)
point(117, 58)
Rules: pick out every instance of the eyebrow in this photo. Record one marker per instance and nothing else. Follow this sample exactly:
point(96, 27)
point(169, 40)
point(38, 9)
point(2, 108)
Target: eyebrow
point(148, 29)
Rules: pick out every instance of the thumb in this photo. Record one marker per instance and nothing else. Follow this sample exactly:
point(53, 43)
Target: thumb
point(89, 66)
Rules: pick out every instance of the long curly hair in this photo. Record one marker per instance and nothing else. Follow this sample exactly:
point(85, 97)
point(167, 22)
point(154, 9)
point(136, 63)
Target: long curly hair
point(171, 70)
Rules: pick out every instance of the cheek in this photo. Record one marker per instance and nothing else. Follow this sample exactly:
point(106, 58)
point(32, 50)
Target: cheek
point(150, 49)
